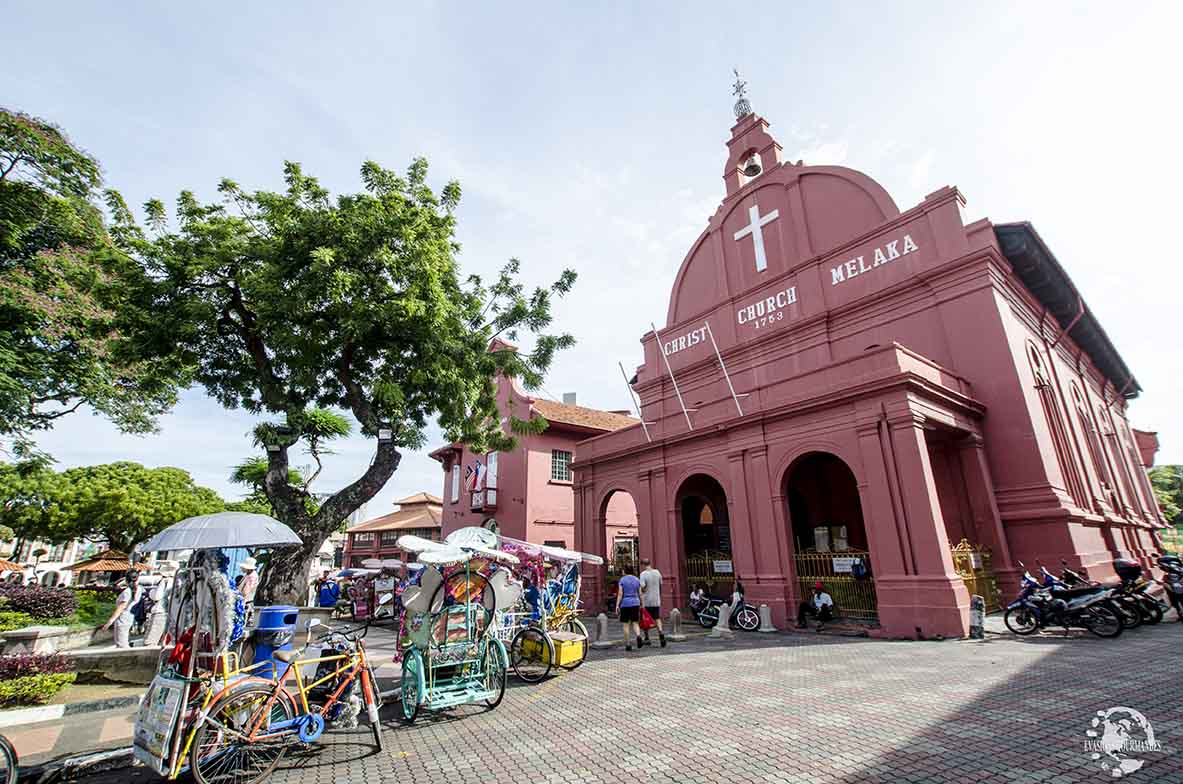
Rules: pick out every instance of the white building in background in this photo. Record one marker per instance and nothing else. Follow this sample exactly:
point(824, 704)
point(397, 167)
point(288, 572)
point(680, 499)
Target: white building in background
point(48, 569)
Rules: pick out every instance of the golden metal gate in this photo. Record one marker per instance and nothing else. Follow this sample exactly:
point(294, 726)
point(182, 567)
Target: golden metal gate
point(972, 563)
point(854, 597)
point(712, 568)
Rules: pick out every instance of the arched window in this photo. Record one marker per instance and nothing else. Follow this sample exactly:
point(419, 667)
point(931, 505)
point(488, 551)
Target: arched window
point(1055, 424)
point(1093, 442)
point(1116, 453)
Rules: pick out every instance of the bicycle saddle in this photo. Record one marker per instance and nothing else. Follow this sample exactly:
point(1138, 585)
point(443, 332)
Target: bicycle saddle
point(285, 656)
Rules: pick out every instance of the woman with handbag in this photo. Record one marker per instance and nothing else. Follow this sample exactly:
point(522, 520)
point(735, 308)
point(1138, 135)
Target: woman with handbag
point(628, 607)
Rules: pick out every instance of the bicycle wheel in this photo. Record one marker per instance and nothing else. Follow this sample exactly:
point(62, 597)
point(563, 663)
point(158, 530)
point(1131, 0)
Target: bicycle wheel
point(531, 653)
point(747, 619)
point(413, 684)
point(220, 756)
point(9, 765)
point(575, 626)
point(495, 670)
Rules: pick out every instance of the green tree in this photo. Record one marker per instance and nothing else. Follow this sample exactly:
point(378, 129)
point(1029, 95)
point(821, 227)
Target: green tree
point(1167, 481)
point(61, 285)
point(119, 503)
point(252, 473)
point(287, 303)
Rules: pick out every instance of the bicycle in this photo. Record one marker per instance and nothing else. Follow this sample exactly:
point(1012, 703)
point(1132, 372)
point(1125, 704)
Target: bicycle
point(9, 764)
point(247, 729)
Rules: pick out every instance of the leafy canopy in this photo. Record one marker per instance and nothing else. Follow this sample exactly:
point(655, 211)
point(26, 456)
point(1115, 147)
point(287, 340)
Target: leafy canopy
point(1167, 481)
point(298, 305)
point(286, 302)
point(61, 286)
point(120, 503)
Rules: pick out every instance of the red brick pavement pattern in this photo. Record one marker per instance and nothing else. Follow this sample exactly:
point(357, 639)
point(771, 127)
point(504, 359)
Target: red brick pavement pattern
point(790, 708)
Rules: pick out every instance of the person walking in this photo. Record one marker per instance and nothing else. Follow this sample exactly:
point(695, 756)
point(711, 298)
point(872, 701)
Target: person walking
point(820, 606)
point(122, 618)
point(158, 613)
point(628, 607)
point(651, 598)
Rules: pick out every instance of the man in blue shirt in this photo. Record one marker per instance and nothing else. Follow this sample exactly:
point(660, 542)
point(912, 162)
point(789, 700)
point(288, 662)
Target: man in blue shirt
point(327, 591)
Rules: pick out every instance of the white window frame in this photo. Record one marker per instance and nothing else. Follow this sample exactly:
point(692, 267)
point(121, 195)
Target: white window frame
point(566, 465)
point(455, 483)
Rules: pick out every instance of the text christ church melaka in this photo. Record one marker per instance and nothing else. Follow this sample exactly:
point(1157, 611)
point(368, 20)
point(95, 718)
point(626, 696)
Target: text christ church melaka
point(910, 404)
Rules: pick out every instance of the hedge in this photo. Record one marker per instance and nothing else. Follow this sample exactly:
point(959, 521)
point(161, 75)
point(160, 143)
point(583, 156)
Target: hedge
point(20, 665)
point(34, 689)
point(14, 620)
point(39, 601)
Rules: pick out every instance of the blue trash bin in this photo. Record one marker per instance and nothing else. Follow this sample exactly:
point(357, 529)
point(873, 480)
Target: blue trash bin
point(275, 632)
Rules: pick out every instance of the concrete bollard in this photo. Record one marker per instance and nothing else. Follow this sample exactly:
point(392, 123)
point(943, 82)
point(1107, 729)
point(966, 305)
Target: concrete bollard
point(766, 619)
point(977, 617)
point(676, 634)
point(602, 639)
point(722, 629)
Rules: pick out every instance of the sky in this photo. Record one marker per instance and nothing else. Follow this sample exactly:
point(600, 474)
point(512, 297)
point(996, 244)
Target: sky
point(592, 136)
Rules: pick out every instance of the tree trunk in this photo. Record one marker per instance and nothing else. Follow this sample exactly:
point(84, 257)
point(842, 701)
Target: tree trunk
point(285, 580)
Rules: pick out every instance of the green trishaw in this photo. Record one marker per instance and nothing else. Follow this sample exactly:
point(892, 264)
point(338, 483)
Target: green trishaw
point(450, 656)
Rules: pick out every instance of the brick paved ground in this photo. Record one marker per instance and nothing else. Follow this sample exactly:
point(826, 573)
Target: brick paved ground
point(790, 708)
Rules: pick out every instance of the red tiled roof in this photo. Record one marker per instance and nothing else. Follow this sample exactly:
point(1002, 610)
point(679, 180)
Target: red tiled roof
point(420, 498)
point(416, 514)
point(107, 561)
point(579, 416)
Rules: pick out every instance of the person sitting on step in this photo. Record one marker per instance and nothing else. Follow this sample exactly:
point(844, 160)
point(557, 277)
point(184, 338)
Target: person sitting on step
point(820, 606)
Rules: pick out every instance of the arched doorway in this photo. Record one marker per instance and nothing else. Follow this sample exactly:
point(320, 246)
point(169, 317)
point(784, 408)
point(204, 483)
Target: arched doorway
point(706, 535)
point(621, 536)
point(828, 534)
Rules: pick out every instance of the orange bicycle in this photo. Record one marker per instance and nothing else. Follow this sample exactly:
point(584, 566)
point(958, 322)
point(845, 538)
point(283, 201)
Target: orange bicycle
point(249, 727)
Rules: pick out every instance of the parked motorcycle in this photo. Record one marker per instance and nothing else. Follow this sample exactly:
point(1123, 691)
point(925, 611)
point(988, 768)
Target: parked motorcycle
point(1051, 603)
point(745, 616)
point(1172, 567)
point(1133, 596)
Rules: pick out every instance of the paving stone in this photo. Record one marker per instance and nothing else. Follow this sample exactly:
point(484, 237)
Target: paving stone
point(789, 708)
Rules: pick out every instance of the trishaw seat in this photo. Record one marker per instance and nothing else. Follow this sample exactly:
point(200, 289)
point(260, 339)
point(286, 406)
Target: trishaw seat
point(566, 636)
point(285, 656)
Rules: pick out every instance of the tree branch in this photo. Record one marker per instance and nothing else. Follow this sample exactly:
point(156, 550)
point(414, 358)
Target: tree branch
point(361, 407)
point(10, 167)
point(346, 501)
point(271, 385)
point(288, 501)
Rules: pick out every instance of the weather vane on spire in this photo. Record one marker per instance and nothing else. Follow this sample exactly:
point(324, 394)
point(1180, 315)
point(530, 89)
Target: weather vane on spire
point(742, 106)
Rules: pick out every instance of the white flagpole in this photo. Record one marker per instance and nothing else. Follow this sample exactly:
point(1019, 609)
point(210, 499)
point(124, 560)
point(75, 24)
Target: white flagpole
point(636, 404)
point(673, 380)
point(726, 375)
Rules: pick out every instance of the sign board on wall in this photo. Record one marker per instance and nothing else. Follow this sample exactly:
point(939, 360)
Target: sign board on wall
point(844, 565)
point(722, 567)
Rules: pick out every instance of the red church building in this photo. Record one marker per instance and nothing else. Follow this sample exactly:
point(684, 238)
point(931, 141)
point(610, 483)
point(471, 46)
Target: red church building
point(527, 493)
point(847, 391)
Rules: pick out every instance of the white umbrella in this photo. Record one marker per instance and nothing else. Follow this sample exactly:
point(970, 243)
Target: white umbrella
point(222, 530)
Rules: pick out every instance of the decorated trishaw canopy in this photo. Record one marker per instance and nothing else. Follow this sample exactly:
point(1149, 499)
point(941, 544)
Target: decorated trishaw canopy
point(439, 553)
point(382, 563)
point(474, 537)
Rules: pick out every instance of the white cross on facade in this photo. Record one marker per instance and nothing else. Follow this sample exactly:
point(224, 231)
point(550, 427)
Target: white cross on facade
point(756, 229)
